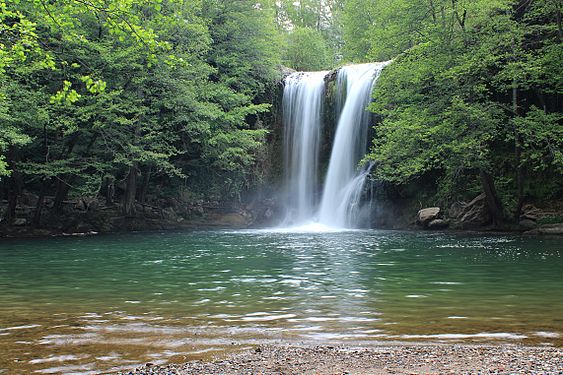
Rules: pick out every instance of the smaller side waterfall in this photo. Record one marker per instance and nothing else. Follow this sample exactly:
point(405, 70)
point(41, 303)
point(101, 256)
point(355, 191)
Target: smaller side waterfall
point(343, 186)
point(302, 109)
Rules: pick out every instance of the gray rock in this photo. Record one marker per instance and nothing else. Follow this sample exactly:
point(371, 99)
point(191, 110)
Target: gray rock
point(527, 224)
point(20, 222)
point(269, 213)
point(555, 229)
point(529, 211)
point(168, 213)
point(438, 224)
point(472, 214)
point(83, 228)
point(198, 210)
point(426, 215)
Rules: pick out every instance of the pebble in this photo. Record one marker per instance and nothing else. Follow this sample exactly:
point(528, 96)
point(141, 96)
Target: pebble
point(417, 359)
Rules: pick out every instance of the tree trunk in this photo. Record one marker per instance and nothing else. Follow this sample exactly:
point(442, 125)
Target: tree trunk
point(36, 221)
point(541, 99)
point(145, 185)
point(130, 191)
point(62, 186)
point(61, 195)
point(493, 202)
point(519, 180)
point(14, 190)
point(15, 184)
point(109, 190)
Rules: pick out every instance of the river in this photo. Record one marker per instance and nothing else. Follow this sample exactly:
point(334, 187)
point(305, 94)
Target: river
point(99, 303)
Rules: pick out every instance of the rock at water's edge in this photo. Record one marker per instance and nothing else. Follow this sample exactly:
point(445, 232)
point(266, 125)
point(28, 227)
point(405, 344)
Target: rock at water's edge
point(438, 224)
point(426, 215)
point(556, 229)
point(474, 214)
point(527, 224)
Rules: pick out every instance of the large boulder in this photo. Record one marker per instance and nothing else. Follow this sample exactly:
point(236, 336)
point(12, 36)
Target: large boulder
point(471, 215)
point(426, 215)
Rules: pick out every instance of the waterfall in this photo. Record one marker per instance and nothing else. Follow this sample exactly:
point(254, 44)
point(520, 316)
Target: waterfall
point(302, 117)
point(343, 184)
point(303, 94)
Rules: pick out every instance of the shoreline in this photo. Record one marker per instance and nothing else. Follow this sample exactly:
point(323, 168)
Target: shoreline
point(12, 232)
point(401, 358)
point(96, 218)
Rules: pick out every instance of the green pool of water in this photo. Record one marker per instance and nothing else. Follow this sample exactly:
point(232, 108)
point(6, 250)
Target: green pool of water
point(96, 303)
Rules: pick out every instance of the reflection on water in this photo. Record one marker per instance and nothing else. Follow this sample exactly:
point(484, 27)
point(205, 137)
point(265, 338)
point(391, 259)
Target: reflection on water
point(89, 304)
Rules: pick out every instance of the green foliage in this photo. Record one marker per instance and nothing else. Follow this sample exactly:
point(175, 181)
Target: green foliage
point(357, 20)
point(246, 44)
point(173, 90)
point(473, 87)
point(90, 90)
point(322, 19)
point(306, 50)
point(542, 135)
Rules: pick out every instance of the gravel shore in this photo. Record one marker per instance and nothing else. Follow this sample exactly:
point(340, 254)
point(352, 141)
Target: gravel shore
point(390, 359)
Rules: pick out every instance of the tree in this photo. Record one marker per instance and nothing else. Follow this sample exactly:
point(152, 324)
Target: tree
point(462, 97)
point(357, 18)
point(321, 16)
point(306, 50)
point(133, 95)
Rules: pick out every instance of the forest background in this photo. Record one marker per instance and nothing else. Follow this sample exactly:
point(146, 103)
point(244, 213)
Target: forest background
point(120, 105)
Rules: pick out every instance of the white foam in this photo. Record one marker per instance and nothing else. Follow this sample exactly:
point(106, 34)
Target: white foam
point(549, 335)
point(109, 357)
point(311, 227)
point(77, 369)
point(267, 318)
point(20, 327)
point(58, 358)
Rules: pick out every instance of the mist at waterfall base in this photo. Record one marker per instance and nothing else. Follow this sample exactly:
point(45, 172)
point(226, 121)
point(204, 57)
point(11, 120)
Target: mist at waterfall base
point(338, 203)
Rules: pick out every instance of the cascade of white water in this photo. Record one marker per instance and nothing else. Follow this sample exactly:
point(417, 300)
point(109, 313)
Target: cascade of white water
point(343, 184)
point(302, 110)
